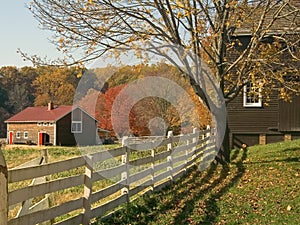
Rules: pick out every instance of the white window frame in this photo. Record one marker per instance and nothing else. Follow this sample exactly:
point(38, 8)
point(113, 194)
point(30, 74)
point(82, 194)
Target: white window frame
point(78, 127)
point(25, 134)
point(51, 124)
point(39, 124)
point(77, 123)
point(45, 124)
point(18, 134)
point(247, 103)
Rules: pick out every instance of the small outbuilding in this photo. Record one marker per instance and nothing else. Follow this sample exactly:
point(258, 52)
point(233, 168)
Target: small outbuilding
point(52, 125)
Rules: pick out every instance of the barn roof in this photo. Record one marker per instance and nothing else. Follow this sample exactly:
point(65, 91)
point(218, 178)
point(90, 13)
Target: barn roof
point(41, 114)
point(285, 20)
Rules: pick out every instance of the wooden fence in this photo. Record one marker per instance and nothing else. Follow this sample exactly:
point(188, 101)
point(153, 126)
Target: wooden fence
point(127, 170)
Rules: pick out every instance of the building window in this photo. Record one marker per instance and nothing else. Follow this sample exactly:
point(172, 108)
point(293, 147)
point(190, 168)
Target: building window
point(18, 134)
point(252, 95)
point(76, 121)
point(76, 127)
point(39, 124)
point(51, 124)
point(26, 135)
point(45, 124)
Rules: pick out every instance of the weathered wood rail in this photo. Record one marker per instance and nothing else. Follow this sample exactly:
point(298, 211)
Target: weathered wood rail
point(129, 171)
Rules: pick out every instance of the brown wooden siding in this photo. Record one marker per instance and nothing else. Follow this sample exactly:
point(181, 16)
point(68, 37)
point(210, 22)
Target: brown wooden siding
point(89, 131)
point(63, 131)
point(66, 137)
point(289, 115)
point(252, 119)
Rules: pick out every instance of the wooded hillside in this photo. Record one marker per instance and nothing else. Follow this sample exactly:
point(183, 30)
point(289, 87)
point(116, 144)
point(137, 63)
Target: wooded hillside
point(28, 86)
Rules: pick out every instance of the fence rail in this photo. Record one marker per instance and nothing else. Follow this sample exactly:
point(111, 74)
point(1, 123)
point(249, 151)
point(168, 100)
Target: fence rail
point(127, 170)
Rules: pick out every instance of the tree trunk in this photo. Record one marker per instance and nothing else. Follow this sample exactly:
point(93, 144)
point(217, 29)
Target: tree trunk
point(223, 156)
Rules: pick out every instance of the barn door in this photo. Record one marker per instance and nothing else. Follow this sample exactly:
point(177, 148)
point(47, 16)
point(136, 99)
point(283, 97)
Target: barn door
point(10, 138)
point(41, 137)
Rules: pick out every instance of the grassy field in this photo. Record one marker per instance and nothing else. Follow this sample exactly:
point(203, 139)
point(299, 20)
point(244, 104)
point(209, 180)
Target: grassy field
point(17, 155)
point(260, 186)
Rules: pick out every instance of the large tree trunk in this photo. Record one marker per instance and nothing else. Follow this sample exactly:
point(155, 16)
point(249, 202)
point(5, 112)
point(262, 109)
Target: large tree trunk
point(223, 156)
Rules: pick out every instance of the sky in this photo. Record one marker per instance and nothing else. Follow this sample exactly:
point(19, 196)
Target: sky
point(20, 30)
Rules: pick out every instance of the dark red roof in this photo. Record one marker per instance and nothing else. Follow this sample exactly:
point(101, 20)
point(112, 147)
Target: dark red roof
point(40, 114)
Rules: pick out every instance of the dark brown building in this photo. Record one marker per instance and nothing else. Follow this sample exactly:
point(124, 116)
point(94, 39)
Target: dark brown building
point(250, 121)
point(259, 124)
point(50, 125)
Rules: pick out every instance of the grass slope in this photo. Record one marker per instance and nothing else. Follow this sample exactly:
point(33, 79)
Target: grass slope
point(260, 186)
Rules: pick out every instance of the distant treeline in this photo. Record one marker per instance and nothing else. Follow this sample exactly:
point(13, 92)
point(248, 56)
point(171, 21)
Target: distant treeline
point(36, 86)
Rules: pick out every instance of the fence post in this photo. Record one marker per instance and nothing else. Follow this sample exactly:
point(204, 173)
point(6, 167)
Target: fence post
point(208, 134)
point(3, 190)
point(88, 189)
point(125, 174)
point(195, 130)
point(152, 168)
point(45, 155)
point(170, 157)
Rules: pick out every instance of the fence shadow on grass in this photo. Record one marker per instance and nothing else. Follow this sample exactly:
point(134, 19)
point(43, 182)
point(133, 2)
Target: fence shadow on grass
point(194, 195)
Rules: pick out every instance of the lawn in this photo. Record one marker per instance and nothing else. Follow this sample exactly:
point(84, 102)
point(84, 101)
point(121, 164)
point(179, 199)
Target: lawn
point(261, 185)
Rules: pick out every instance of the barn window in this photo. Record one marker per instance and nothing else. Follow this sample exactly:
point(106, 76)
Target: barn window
point(51, 124)
point(18, 134)
point(39, 124)
point(26, 135)
point(45, 124)
point(76, 121)
point(252, 95)
point(76, 126)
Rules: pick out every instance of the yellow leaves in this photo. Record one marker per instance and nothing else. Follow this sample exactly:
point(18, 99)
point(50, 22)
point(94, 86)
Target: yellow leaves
point(179, 4)
point(131, 39)
point(61, 40)
point(180, 15)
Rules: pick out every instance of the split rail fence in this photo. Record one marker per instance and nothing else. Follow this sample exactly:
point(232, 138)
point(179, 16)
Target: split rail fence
point(104, 180)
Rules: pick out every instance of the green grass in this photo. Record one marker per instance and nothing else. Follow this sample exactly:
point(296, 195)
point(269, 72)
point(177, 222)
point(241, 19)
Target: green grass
point(16, 156)
point(261, 185)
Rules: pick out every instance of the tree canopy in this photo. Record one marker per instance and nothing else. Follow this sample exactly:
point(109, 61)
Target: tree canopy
point(144, 113)
point(206, 28)
point(205, 39)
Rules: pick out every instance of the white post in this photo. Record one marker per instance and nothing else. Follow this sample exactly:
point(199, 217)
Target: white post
point(186, 155)
point(195, 130)
point(208, 133)
point(169, 158)
point(3, 190)
point(88, 189)
point(125, 174)
point(152, 168)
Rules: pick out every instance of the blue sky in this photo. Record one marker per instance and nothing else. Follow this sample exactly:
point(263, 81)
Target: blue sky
point(19, 29)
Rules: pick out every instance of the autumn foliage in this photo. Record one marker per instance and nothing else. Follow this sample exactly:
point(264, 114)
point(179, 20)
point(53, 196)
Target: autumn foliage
point(119, 112)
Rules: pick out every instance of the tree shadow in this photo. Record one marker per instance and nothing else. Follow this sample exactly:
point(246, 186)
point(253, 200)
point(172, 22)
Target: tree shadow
point(287, 160)
point(291, 149)
point(182, 197)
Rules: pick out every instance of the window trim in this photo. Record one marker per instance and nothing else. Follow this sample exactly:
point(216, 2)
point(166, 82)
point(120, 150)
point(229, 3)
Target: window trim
point(45, 124)
point(76, 130)
point(18, 134)
point(251, 104)
point(76, 122)
point(39, 124)
point(25, 136)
